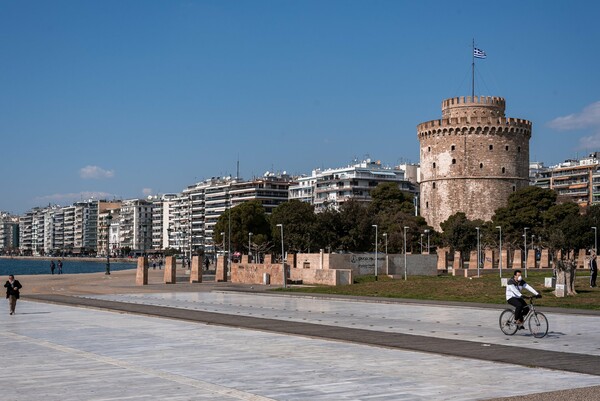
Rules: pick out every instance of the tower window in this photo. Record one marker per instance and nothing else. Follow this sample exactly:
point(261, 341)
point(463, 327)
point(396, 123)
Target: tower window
point(433, 165)
point(503, 170)
point(452, 147)
point(434, 185)
point(506, 148)
point(427, 205)
point(480, 165)
point(491, 147)
point(453, 161)
point(429, 148)
point(519, 149)
point(514, 188)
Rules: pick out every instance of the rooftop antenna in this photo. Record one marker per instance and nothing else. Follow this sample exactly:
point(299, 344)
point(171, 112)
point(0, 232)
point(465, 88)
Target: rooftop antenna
point(237, 174)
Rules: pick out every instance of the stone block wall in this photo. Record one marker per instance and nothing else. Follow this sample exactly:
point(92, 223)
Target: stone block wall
point(254, 273)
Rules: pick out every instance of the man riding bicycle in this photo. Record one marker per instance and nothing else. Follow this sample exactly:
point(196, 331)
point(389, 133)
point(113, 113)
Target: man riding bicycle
point(515, 298)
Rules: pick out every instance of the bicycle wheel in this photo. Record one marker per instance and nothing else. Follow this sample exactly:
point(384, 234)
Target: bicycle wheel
point(538, 324)
point(507, 322)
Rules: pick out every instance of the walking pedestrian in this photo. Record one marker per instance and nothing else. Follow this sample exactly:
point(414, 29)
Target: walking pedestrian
point(12, 292)
point(160, 264)
point(59, 266)
point(52, 266)
point(593, 271)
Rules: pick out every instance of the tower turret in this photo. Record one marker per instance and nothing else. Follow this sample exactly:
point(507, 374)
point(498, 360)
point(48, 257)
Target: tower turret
point(472, 159)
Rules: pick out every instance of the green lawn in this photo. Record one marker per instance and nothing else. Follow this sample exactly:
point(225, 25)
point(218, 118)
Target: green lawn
point(485, 289)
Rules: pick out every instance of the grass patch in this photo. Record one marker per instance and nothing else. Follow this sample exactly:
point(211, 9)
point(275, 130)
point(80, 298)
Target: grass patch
point(485, 289)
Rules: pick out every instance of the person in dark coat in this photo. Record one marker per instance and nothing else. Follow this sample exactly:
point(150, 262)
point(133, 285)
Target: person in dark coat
point(593, 271)
point(12, 292)
point(52, 266)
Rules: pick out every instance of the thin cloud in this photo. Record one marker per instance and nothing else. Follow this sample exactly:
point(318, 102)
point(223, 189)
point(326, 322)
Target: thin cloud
point(147, 191)
point(588, 118)
point(74, 196)
point(95, 172)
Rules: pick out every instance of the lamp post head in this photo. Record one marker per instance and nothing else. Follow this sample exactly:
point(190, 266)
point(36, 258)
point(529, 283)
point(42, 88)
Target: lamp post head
point(384, 234)
point(279, 225)
point(499, 227)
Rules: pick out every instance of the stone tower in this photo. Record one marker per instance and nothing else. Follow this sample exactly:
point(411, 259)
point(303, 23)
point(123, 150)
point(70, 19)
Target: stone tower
point(472, 159)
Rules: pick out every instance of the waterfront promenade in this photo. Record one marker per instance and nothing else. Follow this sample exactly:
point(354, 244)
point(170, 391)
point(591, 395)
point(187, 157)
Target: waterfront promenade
point(218, 341)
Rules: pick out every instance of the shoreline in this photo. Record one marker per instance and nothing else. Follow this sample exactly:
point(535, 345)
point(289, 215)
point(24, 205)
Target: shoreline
point(71, 258)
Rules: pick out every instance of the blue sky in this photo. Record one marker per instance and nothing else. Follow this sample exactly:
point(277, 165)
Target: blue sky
point(126, 98)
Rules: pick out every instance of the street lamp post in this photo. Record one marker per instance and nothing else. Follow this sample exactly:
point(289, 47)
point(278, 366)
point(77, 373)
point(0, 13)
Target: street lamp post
point(375, 225)
point(283, 257)
point(525, 248)
point(427, 232)
point(478, 251)
point(229, 234)
point(595, 240)
point(109, 217)
point(500, 254)
point(421, 242)
point(249, 249)
point(405, 265)
point(387, 267)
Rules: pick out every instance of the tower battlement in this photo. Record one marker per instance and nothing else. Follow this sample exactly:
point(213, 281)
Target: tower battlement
point(468, 125)
point(476, 100)
point(491, 106)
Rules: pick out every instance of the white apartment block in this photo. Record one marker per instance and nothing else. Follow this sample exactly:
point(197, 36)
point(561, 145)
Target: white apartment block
point(162, 211)
point(271, 190)
point(9, 232)
point(135, 226)
point(330, 188)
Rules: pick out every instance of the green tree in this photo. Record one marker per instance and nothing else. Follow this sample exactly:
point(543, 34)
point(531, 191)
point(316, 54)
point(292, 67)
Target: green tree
point(327, 232)
point(248, 217)
point(525, 208)
point(357, 232)
point(388, 197)
point(298, 220)
point(460, 233)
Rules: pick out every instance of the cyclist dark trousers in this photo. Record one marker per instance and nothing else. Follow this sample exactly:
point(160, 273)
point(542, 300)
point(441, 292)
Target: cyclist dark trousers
point(521, 307)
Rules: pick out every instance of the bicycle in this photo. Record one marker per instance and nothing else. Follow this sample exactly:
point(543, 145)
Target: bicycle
point(536, 321)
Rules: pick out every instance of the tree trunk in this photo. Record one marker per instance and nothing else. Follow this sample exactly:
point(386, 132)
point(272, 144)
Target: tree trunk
point(565, 275)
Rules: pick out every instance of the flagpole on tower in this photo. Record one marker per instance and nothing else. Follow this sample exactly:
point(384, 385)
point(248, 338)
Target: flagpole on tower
point(473, 71)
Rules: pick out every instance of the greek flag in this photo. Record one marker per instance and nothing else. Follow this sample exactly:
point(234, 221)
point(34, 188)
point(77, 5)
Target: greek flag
point(478, 53)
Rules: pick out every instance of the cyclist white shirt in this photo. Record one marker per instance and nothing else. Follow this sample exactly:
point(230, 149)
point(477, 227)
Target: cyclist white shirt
point(514, 288)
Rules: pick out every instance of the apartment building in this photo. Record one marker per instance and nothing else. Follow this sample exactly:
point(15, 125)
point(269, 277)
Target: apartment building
point(330, 188)
point(135, 226)
point(9, 233)
point(162, 210)
point(270, 190)
point(575, 179)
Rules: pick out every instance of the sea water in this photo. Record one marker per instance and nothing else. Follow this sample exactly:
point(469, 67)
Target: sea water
point(42, 266)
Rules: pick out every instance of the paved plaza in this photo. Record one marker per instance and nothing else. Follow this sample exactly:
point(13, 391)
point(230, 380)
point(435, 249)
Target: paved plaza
point(156, 346)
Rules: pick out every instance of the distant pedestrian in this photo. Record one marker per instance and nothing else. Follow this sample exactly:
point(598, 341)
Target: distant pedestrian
point(52, 266)
point(206, 263)
point(593, 271)
point(159, 264)
point(12, 292)
point(154, 265)
point(60, 267)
